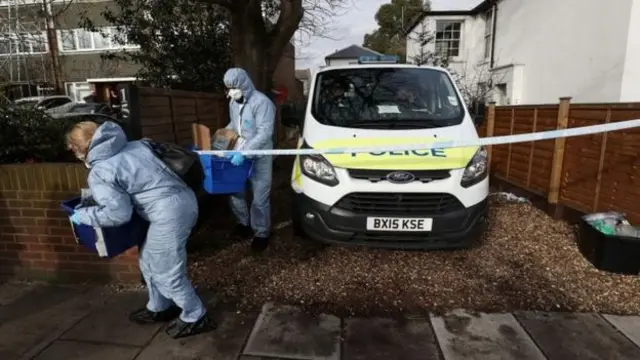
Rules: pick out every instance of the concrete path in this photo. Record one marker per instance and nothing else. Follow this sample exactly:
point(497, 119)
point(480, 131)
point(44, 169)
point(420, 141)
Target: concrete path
point(71, 323)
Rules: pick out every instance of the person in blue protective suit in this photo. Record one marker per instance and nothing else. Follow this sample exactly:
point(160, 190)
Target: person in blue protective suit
point(125, 177)
point(252, 117)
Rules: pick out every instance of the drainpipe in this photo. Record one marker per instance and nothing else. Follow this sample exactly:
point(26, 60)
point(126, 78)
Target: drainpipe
point(493, 34)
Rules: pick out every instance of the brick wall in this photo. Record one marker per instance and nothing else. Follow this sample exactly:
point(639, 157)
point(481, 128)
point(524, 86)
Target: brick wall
point(36, 240)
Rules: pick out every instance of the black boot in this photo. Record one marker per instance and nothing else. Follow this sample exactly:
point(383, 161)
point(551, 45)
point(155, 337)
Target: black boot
point(259, 244)
point(242, 232)
point(180, 329)
point(144, 316)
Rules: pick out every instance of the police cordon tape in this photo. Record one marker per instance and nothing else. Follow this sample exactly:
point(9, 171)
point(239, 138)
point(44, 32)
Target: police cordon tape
point(496, 140)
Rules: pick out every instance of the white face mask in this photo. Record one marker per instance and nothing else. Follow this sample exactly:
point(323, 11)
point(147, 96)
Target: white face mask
point(235, 94)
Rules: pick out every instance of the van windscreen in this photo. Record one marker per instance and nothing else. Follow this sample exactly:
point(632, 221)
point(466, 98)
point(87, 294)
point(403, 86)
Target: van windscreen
point(386, 98)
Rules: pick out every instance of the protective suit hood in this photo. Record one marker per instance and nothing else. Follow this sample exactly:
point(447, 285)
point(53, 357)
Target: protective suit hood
point(239, 78)
point(108, 140)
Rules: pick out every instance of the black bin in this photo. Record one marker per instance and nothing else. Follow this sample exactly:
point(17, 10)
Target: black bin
point(617, 254)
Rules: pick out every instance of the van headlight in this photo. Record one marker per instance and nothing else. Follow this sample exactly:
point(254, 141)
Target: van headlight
point(476, 170)
point(319, 169)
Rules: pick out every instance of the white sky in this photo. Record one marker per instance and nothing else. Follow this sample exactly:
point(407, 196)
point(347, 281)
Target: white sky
point(350, 27)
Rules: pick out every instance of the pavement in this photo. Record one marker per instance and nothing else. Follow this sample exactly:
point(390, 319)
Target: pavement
point(48, 322)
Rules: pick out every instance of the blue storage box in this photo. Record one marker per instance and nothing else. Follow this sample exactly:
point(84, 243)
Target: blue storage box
point(222, 177)
point(108, 241)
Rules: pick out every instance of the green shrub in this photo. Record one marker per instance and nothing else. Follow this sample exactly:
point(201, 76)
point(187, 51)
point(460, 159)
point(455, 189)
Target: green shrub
point(30, 135)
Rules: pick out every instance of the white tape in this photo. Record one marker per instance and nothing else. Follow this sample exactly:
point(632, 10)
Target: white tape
point(496, 140)
point(101, 245)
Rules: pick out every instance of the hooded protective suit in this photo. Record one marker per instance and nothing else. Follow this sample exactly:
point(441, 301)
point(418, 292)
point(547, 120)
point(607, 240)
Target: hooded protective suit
point(253, 119)
point(127, 176)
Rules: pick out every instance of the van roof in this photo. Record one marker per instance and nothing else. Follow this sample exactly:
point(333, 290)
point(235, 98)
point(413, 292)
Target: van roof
point(360, 66)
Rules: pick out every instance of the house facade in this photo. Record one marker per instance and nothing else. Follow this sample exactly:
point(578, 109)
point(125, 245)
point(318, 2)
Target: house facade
point(532, 52)
point(349, 55)
point(304, 76)
point(25, 56)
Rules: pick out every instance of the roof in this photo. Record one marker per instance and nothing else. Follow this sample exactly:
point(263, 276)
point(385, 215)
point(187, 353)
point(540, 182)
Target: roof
point(450, 7)
point(303, 74)
point(352, 52)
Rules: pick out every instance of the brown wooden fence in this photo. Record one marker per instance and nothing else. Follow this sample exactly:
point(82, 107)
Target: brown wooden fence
point(586, 173)
point(167, 115)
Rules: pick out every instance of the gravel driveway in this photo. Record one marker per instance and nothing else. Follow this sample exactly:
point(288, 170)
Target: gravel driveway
point(528, 261)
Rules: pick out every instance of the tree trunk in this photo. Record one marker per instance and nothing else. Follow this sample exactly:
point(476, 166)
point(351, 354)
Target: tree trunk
point(250, 45)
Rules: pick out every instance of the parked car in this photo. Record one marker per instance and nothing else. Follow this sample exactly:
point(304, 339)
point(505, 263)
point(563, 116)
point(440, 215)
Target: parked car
point(43, 102)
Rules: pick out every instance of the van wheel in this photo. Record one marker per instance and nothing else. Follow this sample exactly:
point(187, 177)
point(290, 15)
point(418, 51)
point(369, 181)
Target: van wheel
point(312, 247)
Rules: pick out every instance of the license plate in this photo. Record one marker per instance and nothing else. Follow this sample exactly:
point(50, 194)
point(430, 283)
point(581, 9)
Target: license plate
point(399, 224)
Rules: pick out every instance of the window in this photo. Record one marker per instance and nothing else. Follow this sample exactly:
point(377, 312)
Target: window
point(23, 43)
point(488, 32)
point(386, 98)
point(85, 40)
point(68, 40)
point(448, 37)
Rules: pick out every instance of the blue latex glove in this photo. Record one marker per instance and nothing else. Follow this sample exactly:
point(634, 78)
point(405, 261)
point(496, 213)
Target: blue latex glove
point(237, 159)
point(75, 220)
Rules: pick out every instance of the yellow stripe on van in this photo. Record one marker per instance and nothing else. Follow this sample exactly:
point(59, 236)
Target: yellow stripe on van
point(297, 170)
point(434, 159)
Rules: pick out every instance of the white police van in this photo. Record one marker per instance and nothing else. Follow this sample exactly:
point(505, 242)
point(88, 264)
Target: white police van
point(420, 199)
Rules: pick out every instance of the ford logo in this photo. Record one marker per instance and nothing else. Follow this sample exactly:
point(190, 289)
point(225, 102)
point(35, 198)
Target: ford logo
point(400, 177)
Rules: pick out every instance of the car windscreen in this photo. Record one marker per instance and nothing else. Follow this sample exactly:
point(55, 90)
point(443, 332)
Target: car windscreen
point(386, 98)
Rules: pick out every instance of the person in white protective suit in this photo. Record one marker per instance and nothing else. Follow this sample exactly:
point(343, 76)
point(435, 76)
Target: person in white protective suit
point(125, 177)
point(252, 117)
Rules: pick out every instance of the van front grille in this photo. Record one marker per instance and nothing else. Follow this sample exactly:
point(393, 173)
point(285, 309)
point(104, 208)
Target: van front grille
point(399, 203)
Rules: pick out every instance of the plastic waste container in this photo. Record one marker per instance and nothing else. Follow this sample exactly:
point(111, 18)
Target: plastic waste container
point(221, 176)
point(607, 251)
point(108, 241)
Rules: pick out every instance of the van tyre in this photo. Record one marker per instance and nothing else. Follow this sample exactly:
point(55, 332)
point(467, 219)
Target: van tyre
point(311, 247)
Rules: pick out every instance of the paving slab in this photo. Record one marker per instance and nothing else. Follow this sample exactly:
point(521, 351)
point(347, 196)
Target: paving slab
point(11, 291)
point(286, 332)
point(565, 336)
point(389, 339)
point(628, 325)
point(110, 324)
point(71, 350)
point(465, 335)
point(225, 343)
point(31, 322)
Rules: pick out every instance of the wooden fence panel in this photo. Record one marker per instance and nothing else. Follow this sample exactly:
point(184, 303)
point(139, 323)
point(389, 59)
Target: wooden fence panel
point(620, 175)
point(167, 115)
point(520, 153)
point(581, 159)
point(500, 153)
point(600, 172)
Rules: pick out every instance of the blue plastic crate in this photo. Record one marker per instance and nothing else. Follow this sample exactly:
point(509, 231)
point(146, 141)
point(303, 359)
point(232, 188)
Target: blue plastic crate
point(108, 241)
point(222, 177)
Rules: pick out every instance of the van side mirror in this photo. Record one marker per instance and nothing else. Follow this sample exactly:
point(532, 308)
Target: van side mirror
point(478, 111)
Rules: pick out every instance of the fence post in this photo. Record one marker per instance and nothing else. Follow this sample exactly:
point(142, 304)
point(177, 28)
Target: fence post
point(491, 123)
point(558, 152)
point(603, 150)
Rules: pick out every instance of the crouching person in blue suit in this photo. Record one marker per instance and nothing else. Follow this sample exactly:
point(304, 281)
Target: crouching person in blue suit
point(125, 177)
